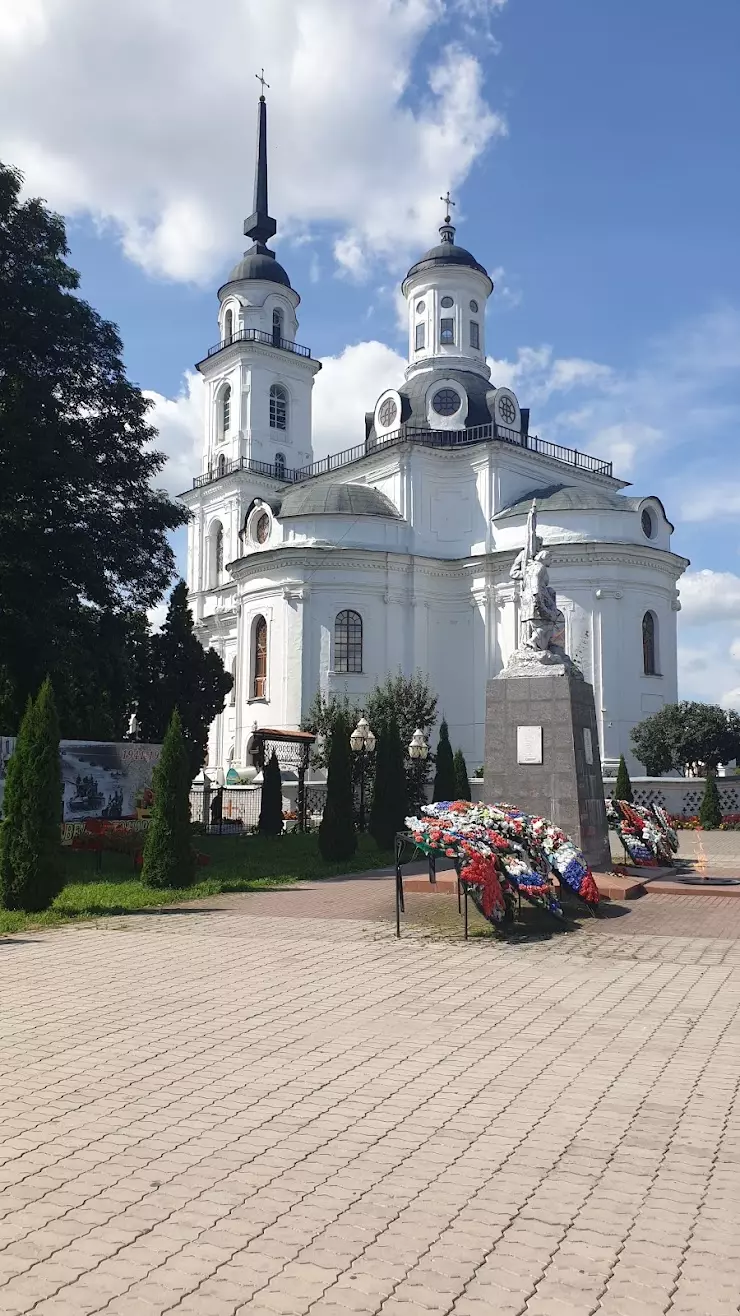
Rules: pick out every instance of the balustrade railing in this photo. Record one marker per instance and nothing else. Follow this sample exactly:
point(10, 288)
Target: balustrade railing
point(427, 438)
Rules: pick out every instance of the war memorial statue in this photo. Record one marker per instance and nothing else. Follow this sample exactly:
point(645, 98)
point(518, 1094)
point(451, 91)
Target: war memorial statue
point(542, 740)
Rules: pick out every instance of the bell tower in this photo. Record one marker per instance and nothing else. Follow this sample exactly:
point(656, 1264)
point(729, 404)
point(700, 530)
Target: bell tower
point(258, 382)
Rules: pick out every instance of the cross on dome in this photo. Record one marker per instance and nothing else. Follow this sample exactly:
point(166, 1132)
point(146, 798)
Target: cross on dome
point(448, 202)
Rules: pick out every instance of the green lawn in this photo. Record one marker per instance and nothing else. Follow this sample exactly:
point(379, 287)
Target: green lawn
point(238, 863)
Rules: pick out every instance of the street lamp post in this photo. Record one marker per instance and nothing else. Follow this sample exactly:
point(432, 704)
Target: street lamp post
point(418, 747)
point(362, 743)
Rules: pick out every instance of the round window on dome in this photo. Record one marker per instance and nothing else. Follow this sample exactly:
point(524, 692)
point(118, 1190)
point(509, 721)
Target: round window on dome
point(447, 302)
point(262, 529)
point(420, 306)
point(647, 523)
point(446, 402)
point(474, 307)
point(387, 412)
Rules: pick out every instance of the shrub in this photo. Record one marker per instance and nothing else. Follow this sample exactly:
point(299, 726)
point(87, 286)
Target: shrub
point(445, 784)
point(337, 836)
point(271, 807)
point(710, 810)
point(390, 798)
point(31, 871)
point(462, 778)
point(169, 859)
point(623, 785)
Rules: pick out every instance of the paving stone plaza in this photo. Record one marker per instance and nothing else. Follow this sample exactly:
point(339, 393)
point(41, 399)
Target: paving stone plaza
point(267, 1104)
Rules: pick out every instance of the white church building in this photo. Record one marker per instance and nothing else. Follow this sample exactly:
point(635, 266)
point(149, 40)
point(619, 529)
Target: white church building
point(396, 553)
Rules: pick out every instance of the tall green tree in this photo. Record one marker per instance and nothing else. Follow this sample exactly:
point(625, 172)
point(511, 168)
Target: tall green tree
point(169, 859)
point(445, 782)
point(177, 672)
point(83, 532)
point(390, 799)
point(710, 809)
point(688, 736)
point(271, 802)
point(337, 835)
point(623, 785)
point(31, 871)
point(462, 777)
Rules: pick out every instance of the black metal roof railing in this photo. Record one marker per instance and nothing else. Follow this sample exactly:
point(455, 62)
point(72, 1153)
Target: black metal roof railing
point(427, 438)
point(258, 336)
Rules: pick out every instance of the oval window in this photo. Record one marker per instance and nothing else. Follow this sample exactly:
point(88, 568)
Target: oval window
point(420, 306)
point(387, 412)
point(647, 523)
point(446, 302)
point(446, 402)
point(474, 307)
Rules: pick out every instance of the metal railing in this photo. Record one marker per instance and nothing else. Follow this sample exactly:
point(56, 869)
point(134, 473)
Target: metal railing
point(426, 438)
point(224, 467)
point(259, 336)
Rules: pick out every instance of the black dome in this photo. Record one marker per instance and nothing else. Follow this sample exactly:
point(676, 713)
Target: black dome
point(259, 265)
point(446, 253)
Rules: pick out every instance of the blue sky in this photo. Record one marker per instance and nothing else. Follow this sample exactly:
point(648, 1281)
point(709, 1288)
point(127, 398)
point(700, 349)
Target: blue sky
point(592, 150)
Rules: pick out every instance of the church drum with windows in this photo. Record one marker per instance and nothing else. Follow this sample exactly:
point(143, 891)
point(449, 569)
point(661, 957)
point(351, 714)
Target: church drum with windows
point(396, 554)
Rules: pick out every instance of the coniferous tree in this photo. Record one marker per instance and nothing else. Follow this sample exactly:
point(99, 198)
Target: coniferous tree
point(623, 785)
point(169, 860)
point(31, 872)
point(337, 835)
point(445, 783)
point(83, 531)
point(175, 671)
point(462, 779)
point(390, 797)
point(271, 806)
point(710, 809)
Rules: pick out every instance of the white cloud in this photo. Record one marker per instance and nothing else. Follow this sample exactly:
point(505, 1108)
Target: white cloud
point(684, 395)
point(708, 596)
point(179, 422)
point(347, 387)
point(141, 114)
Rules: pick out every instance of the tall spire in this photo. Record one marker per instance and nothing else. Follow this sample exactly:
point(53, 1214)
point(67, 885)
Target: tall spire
point(260, 225)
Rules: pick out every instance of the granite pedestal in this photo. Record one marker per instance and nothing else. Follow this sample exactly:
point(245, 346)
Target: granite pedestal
point(542, 754)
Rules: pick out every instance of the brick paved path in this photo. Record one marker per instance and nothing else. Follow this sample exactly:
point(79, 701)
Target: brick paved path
point(266, 1106)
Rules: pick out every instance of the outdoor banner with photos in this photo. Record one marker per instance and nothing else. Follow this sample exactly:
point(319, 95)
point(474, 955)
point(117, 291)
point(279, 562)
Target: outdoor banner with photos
point(101, 779)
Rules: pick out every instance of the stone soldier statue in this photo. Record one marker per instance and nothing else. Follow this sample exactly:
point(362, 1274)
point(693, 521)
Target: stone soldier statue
point(538, 609)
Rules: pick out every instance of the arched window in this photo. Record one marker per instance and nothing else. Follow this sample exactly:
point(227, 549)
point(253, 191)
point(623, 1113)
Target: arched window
point(649, 646)
point(221, 465)
point(280, 465)
point(233, 688)
point(226, 410)
point(259, 665)
point(228, 326)
point(348, 641)
point(278, 407)
point(277, 327)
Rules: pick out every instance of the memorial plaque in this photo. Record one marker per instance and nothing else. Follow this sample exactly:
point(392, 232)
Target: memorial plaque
point(529, 744)
point(588, 745)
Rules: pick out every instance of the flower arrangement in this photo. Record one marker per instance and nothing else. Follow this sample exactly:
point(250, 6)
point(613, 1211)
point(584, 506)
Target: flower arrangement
point(503, 854)
point(646, 833)
point(730, 822)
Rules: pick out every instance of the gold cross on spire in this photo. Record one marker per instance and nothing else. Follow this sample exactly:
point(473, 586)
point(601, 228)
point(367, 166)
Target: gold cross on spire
point(448, 202)
point(261, 79)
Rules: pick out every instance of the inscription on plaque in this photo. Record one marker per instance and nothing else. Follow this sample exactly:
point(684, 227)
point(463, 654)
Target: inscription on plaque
point(588, 745)
point(529, 744)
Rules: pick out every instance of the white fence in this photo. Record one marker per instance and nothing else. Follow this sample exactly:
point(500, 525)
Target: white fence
point(680, 796)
